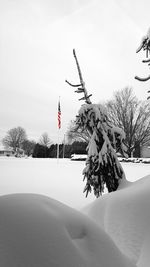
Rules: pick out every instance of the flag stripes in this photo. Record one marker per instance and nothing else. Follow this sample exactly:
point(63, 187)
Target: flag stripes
point(59, 115)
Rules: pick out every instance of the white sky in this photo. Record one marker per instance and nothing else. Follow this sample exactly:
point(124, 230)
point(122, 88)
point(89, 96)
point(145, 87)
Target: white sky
point(36, 42)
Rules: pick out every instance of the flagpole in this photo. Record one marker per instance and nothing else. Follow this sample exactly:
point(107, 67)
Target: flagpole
point(58, 145)
point(59, 126)
point(64, 147)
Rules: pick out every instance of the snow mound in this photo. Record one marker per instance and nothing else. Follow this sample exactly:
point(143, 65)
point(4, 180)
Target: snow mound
point(38, 231)
point(125, 216)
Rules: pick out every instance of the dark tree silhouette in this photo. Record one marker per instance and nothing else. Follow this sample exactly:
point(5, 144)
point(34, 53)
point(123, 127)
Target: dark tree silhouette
point(28, 147)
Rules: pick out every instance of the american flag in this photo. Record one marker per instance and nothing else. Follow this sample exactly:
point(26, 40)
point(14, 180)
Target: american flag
point(59, 115)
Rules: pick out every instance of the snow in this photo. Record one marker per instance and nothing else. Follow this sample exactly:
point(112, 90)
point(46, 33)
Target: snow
point(59, 179)
point(78, 157)
point(36, 230)
point(125, 216)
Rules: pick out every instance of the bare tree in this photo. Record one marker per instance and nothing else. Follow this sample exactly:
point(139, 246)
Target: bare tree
point(15, 138)
point(45, 140)
point(75, 133)
point(126, 112)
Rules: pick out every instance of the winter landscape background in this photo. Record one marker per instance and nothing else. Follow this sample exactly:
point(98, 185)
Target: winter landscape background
point(45, 219)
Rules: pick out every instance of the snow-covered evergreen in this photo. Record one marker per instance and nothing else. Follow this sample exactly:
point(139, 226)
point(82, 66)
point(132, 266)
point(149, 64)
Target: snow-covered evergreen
point(102, 166)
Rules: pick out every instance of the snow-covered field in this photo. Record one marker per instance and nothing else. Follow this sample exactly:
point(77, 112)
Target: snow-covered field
point(61, 180)
point(38, 231)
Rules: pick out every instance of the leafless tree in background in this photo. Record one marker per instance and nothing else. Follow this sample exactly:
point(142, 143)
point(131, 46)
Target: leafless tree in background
point(15, 138)
point(75, 133)
point(45, 140)
point(126, 112)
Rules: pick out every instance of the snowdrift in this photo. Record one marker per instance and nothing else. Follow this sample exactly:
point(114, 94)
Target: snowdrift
point(125, 216)
point(37, 231)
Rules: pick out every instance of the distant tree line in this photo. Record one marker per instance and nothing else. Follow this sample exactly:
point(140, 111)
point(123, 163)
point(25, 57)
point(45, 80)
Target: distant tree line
point(16, 139)
point(41, 151)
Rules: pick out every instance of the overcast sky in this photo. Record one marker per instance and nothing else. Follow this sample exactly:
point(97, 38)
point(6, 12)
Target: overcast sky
point(36, 42)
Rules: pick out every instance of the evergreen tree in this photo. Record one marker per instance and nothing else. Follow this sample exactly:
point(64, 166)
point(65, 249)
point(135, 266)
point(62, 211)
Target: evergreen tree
point(28, 147)
point(40, 151)
point(78, 147)
point(53, 151)
point(102, 166)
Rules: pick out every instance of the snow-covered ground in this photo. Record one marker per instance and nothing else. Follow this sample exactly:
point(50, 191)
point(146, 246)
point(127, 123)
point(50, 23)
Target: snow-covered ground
point(61, 180)
point(38, 231)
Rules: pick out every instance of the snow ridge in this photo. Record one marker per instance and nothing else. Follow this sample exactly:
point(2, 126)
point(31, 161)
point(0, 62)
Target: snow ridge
point(38, 231)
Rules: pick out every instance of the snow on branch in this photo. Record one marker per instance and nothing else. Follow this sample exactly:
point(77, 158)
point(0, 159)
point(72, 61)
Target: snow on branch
point(145, 45)
point(102, 166)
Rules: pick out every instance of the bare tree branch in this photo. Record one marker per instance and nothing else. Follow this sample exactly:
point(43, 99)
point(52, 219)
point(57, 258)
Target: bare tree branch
point(73, 85)
point(142, 79)
point(82, 88)
point(145, 45)
point(146, 60)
